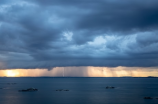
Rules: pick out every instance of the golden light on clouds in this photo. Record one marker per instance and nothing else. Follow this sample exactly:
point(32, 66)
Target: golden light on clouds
point(82, 72)
point(122, 71)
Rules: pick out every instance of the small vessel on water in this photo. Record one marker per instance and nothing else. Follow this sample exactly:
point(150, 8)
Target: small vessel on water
point(110, 87)
point(148, 98)
point(62, 90)
point(28, 90)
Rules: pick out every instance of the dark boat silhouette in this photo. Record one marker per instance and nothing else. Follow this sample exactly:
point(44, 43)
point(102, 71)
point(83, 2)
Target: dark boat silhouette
point(28, 90)
point(110, 87)
point(148, 98)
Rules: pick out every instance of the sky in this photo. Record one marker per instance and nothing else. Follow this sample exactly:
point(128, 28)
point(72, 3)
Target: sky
point(82, 72)
point(46, 34)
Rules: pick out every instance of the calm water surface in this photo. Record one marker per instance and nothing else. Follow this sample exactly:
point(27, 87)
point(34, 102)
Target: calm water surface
point(81, 91)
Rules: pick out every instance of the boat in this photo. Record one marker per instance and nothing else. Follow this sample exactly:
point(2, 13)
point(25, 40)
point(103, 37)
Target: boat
point(62, 90)
point(148, 98)
point(28, 90)
point(110, 87)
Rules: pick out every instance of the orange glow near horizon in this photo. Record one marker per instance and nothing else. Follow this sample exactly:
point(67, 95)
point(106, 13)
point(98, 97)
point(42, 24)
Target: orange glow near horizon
point(11, 73)
point(82, 72)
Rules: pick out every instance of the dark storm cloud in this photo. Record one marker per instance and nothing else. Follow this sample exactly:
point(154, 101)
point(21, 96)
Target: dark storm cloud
point(50, 33)
point(111, 14)
point(121, 17)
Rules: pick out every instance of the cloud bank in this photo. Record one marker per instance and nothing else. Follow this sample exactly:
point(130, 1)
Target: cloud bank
point(51, 33)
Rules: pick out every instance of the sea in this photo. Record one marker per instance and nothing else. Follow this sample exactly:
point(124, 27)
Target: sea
point(78, 90)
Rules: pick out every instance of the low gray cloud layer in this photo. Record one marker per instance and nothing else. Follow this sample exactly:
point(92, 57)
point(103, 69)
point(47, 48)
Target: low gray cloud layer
point(50, 33)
